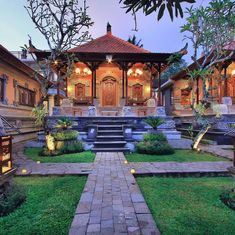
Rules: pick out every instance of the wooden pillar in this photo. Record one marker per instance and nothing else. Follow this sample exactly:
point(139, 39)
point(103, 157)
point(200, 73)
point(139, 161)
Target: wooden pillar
point(151, 85)
point(66, 85)
point(126, 77)
point(94, 83)
point(123, 82)
point(159, 100)
point(197, 90)
point(225, 82)
point(234, 151)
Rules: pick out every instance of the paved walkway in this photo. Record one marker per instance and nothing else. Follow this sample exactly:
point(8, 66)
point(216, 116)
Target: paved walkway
point(111, 202)
point(225, 151)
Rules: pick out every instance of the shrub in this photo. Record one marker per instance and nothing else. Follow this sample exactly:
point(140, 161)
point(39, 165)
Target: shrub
point(66, 135)
point(64, 123)
point(76, 147)
point(73, 148)
point(154, 122)
point(228, 198)
point(154, 147)
point(154, 137)
point(12, 198)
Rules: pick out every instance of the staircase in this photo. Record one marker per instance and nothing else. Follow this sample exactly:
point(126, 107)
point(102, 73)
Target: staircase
point(110, 137)
point(7, 127)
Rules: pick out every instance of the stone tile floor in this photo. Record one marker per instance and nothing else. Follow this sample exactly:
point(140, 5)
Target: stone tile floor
point(111, 202)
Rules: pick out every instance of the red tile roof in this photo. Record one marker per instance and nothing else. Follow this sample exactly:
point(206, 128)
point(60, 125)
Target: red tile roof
point(108, 44)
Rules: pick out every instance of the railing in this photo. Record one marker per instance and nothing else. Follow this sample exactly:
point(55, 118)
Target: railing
point(5, 154)
point(7, 126)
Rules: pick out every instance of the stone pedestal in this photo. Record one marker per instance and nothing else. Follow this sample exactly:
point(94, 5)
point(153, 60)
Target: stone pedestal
point(127, 112)
point(51, 104)
point(160, 111)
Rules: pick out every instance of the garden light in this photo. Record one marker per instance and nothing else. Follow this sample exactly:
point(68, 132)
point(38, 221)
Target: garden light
point(125, 162)
point(133, 171)
point(24, 171)
point(38, 162)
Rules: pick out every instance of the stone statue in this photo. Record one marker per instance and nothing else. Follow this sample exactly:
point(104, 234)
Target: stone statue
point(151, 103)
point(91, 111)
point(50, 142)
point(127, 111)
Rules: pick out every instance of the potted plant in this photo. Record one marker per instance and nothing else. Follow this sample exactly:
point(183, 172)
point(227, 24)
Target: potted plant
point(154, 122)
point(39, 113)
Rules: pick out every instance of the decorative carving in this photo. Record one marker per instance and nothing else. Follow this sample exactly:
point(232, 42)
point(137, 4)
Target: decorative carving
point(92, 111)
point(109, 91)
point(127, 111)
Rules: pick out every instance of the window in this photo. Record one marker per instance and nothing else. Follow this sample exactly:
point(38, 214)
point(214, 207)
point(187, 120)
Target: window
point(1, 90)
point(26, 96)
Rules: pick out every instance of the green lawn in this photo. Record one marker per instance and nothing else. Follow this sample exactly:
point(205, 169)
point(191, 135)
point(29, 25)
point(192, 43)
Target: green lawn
point(49, 207)
point(178, 156)
point(33, 153)
point(194, 211)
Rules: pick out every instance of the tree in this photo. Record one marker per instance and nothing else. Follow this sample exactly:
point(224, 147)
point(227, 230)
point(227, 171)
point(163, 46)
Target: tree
point(151, 6)
point(133, 40)
point(63, 24)
point(210, 29)
point(173, 69)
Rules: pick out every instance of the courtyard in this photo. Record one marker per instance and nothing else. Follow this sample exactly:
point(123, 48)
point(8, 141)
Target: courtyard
point(117, 117)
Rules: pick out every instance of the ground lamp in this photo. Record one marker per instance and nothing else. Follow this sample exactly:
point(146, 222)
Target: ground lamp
point(6, 169)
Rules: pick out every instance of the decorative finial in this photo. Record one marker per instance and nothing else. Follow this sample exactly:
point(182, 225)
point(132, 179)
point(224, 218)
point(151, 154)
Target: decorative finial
point(109, 28)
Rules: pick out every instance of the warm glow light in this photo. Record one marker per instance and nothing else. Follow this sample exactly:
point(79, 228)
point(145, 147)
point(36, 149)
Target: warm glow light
point(233, 72)
point(133, 171)
point(109, 58)
point(147, 89)
point(38, 162)
point(55, 62)
point(125, 161)
point(84, 72)
point(24, 171)
point(77, 71)
point(135, 73)
point(69, 88)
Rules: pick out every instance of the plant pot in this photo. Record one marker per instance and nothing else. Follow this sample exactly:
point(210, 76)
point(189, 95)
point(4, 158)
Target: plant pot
point(154, 131)
point(41, 136)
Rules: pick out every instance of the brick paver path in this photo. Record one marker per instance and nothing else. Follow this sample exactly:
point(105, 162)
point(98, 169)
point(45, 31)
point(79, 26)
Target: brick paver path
point(111, 202)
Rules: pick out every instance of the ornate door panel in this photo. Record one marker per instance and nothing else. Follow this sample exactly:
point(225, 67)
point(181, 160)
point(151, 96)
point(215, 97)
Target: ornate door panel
point(137, 91)
point(109, 92)
point(80, 91)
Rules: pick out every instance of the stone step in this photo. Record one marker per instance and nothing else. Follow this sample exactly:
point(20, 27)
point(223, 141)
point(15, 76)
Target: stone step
point(109, 132)
point(109, 127)
point(109, 122)
point(110, 137)
point(124, 149)
point(110, 142)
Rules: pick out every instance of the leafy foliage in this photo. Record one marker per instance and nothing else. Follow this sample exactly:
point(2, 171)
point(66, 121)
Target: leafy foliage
point(64, 123)
point(39, 113)
point(12, 198)
point(133, 40)
point(154, 137)
point(172, 6)
point(154, 122)
point(66, 135)
point(228, 198)
point(154, 147)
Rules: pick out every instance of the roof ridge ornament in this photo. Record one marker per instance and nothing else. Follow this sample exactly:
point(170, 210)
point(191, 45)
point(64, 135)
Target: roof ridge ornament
point(109, 28)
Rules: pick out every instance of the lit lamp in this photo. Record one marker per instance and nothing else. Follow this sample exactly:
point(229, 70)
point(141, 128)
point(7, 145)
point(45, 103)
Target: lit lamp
point(133, 171)
point(5, 155)
point(233, 72)
point(125, 162)
point(109, 58)
point(83, 72)
point(134, 73)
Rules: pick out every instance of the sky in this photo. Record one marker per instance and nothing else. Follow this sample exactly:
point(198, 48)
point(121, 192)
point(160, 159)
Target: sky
point(157, 36)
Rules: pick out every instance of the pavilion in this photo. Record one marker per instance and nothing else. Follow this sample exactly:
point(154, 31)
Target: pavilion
point(112, 77)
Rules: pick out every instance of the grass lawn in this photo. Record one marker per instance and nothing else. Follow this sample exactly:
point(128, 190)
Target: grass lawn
point(178, 156)
point(33, 153)
point(49, 207)
point(189, 206)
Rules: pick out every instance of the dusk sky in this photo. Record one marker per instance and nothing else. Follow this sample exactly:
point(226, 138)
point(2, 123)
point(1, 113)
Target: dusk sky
point(157, 36)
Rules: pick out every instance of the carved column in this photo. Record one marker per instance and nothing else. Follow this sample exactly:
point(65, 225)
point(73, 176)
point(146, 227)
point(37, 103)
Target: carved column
point(159, 100)
point(16, 95)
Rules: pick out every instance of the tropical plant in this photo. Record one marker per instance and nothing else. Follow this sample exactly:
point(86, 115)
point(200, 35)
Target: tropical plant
point(154, 122)
point(64, 123)
point(39, 113)
point(154, 137)
point(150, 6)
point(63, 24)
point(210, 29)
point(133, 40)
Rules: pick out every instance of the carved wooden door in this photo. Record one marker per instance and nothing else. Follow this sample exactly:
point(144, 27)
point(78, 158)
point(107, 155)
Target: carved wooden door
point(137, 91)
point(80, 92)
point(109, 92)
